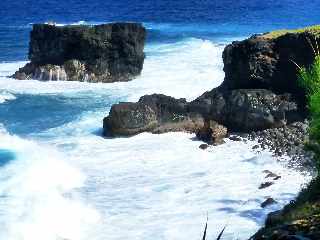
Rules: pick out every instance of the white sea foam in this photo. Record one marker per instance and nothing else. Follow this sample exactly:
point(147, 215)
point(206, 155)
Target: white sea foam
point(162, 186)
point(33, 201)
point(70, 183)
point(182, 70)
point(6, 96)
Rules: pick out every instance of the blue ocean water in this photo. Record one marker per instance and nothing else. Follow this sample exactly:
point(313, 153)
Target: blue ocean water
point(170, 20)
point(60, 179)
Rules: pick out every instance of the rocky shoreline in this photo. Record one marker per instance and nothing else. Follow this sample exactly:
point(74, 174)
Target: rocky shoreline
point(260, 91)
point(260, 99)
point(287, 141)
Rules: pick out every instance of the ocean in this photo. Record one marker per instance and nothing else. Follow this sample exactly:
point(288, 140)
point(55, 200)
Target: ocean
point(59, 179)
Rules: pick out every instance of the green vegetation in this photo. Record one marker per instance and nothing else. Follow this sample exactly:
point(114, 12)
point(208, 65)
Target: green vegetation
point(275, 34)
point(309, 78)
point(306, 206)
point(303, 215)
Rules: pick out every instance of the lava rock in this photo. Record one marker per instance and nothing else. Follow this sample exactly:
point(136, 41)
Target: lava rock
point(265, 185)
point(102, 53)
point(246, 110)
point(155, 113)
point(268, 62)
point(235, 138)
point(269, 201)
point(203, 146)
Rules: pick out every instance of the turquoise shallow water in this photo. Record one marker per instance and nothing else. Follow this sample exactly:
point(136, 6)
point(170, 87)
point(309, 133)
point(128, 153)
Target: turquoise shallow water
point(6, 156)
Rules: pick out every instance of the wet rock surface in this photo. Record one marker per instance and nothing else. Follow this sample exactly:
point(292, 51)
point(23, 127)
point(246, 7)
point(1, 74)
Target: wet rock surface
point(241, 110)
point(102, 53)
point(265, 185)
point(155, 113)
point(269, 201)
point(260, 90)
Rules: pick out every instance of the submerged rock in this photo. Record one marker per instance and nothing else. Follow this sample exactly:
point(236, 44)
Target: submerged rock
point(103, 53)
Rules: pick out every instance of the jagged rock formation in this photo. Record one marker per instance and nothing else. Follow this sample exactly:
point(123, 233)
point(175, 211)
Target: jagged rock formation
point(236, 109)
point(260, 91)
point(103, 53)
point(154, 113)
point(268, 62)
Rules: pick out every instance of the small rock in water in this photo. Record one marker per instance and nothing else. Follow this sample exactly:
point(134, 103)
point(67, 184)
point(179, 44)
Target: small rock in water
point(235, 138)
point(265, 185)
point(203, 146)
point(277, 178)
point(267, 202)
point(255, 147)
point(271, 175)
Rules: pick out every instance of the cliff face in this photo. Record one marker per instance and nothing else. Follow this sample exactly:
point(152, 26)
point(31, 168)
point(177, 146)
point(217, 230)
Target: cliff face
point(260, 89)
point(268, 62)
point(102, 53)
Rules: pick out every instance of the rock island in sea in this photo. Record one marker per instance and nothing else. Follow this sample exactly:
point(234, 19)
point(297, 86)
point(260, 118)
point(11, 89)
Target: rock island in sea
point(102, 53)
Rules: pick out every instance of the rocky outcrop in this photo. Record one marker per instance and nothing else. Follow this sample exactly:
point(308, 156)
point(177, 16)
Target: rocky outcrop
point(246, 109)
point(260, 90)
point(153, 113)
point(269, 61)
point(102, 53)
point(242, 109)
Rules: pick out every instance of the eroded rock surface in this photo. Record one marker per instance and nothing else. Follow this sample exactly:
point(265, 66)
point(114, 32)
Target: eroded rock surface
point(103, 53)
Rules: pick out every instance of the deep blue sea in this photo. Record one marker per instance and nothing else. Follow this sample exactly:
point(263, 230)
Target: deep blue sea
point(59, 179)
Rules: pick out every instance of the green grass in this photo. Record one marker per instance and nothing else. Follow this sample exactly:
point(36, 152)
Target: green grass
point(306, 208)
point(309, 79)
point(306, 205)
point(278, 33)
point(304, 212)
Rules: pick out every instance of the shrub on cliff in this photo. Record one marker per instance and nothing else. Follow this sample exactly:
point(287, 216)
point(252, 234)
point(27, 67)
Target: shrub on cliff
point(309, 78)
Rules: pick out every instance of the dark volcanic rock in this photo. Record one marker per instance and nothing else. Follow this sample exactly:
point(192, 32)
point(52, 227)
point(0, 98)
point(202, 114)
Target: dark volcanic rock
point(267, 62)
point(288, 140)
point(246, 109)
point(260, 90)
point(154, 113)
point(269, 201)
point(102, 53)
point(239, 110)
point(265, 185)
point(204, 146)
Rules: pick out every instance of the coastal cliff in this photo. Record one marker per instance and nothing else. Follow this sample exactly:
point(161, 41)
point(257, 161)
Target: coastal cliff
point(261, 96)
point(102, 53)
point(260, 90)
